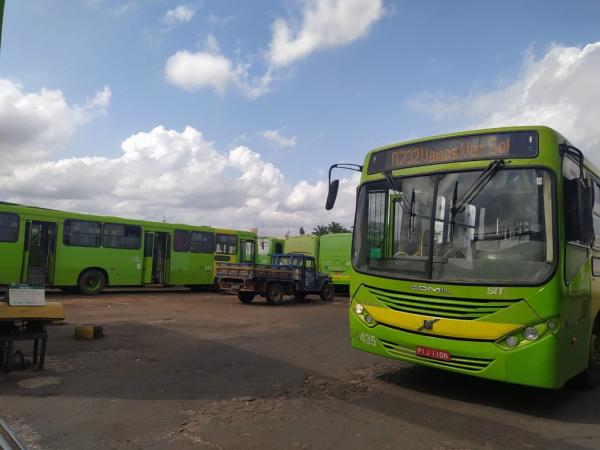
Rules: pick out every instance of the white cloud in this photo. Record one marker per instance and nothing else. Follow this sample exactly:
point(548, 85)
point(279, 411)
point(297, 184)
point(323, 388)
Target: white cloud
point(33, 124)
point(180, 14)
point(208, 68)
point(560, 90)
point(183, 177)
point(278, 139)
point(192, 71)
point(325, 24)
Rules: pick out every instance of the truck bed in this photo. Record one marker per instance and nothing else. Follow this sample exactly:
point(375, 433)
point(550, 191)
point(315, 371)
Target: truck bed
point(233, 276)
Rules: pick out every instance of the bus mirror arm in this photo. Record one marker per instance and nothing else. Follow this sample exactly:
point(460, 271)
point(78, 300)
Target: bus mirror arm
point(335, 184)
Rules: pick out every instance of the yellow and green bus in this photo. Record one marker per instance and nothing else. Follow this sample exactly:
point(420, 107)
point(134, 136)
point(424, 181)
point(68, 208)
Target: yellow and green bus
point(307, 244)
point(89, 252)
point(334, 258)
point(479, 252)
point(235, 246)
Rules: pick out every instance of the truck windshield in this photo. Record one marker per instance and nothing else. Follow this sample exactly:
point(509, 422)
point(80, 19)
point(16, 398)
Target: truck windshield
point(418, 228)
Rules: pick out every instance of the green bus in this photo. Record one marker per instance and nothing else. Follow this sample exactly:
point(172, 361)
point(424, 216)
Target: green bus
point(475, 252)
point(90, 252)
point(334, 257)
point(267, 246)
point(307, 244)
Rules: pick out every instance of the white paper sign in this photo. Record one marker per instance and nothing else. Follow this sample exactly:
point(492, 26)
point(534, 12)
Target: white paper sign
point(26, 296)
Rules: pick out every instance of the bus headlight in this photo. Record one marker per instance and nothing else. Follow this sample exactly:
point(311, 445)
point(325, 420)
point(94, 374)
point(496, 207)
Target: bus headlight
point(531, 334)
point(512, 341)
point(358, 309)
point(528, 334)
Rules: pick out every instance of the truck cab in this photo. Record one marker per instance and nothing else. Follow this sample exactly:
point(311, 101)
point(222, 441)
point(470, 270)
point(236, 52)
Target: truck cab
point(310, 280)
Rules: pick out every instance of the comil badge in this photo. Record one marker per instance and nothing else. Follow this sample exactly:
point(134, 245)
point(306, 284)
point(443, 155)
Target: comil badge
point(427, 324)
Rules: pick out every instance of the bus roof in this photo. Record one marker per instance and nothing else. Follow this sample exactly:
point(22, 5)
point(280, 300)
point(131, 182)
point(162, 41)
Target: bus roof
point(47, 212)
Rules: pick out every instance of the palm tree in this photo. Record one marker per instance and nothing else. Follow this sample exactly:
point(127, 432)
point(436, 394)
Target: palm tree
point(335, 227)
point(320, 230)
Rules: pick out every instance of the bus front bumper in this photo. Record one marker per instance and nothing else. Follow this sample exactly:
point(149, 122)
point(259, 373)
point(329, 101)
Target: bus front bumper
point(534, 364)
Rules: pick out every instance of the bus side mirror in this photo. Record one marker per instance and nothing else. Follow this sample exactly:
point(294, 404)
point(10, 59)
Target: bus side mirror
point(578, 212)
point(333, 191)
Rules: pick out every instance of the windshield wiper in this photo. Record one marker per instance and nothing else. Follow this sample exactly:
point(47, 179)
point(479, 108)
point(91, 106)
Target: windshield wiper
point(472, 192)
point(477, 186)
point(394, 186)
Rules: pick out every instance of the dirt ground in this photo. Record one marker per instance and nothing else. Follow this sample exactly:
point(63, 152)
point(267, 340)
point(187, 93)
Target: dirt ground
point(179, 369)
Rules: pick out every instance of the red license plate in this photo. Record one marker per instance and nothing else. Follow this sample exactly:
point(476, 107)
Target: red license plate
point(432, 353)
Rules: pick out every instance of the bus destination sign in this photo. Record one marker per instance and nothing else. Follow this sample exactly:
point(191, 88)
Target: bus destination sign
point(518, 144)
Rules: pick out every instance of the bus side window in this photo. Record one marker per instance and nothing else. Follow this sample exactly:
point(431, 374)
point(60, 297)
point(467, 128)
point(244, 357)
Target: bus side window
point(82, 233)
point(181, 241)
point(202, 242)
point(9, 227)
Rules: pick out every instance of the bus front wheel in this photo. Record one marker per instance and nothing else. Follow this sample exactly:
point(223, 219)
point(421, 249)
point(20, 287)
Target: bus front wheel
point(91, 282)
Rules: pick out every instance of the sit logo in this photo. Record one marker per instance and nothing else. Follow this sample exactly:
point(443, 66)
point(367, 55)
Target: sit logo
point(495, 291)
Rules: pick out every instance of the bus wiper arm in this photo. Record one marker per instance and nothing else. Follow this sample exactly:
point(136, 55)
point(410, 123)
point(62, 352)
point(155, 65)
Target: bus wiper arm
point(394, 186)
point(478, 185)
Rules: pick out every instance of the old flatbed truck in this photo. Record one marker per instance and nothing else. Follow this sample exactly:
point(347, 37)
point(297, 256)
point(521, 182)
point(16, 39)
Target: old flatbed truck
point(288, 274)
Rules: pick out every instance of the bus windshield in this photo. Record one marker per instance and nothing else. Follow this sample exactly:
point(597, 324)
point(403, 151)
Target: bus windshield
point(422, 228)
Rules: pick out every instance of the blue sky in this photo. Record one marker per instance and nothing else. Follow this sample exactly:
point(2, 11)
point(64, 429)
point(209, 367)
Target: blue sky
point(382, 72)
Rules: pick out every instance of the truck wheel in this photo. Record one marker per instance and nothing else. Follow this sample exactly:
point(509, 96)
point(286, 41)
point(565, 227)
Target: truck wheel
point(590, 377)
point(327, 292)
point(275, 293)
point(91, 282)
point(245, 297)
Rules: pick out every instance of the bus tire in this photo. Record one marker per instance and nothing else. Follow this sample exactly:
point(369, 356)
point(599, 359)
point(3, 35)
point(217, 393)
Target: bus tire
point(91, 282)
point(327, 292)
point(275, 293)
point(590, 377)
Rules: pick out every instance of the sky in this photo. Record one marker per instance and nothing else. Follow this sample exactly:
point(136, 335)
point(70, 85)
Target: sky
point(229, 113)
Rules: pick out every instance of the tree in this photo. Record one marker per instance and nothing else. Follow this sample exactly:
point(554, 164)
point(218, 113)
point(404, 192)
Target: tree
point(302, 232)
point(320, 230)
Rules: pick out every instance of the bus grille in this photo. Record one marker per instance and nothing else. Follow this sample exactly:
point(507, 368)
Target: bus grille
point(457, 362)
point(444, 307)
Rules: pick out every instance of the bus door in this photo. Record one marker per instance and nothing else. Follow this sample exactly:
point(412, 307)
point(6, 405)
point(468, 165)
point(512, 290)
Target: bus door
point(40, 252)
point(148, 257)
point(160, 258)
point(247, 251)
